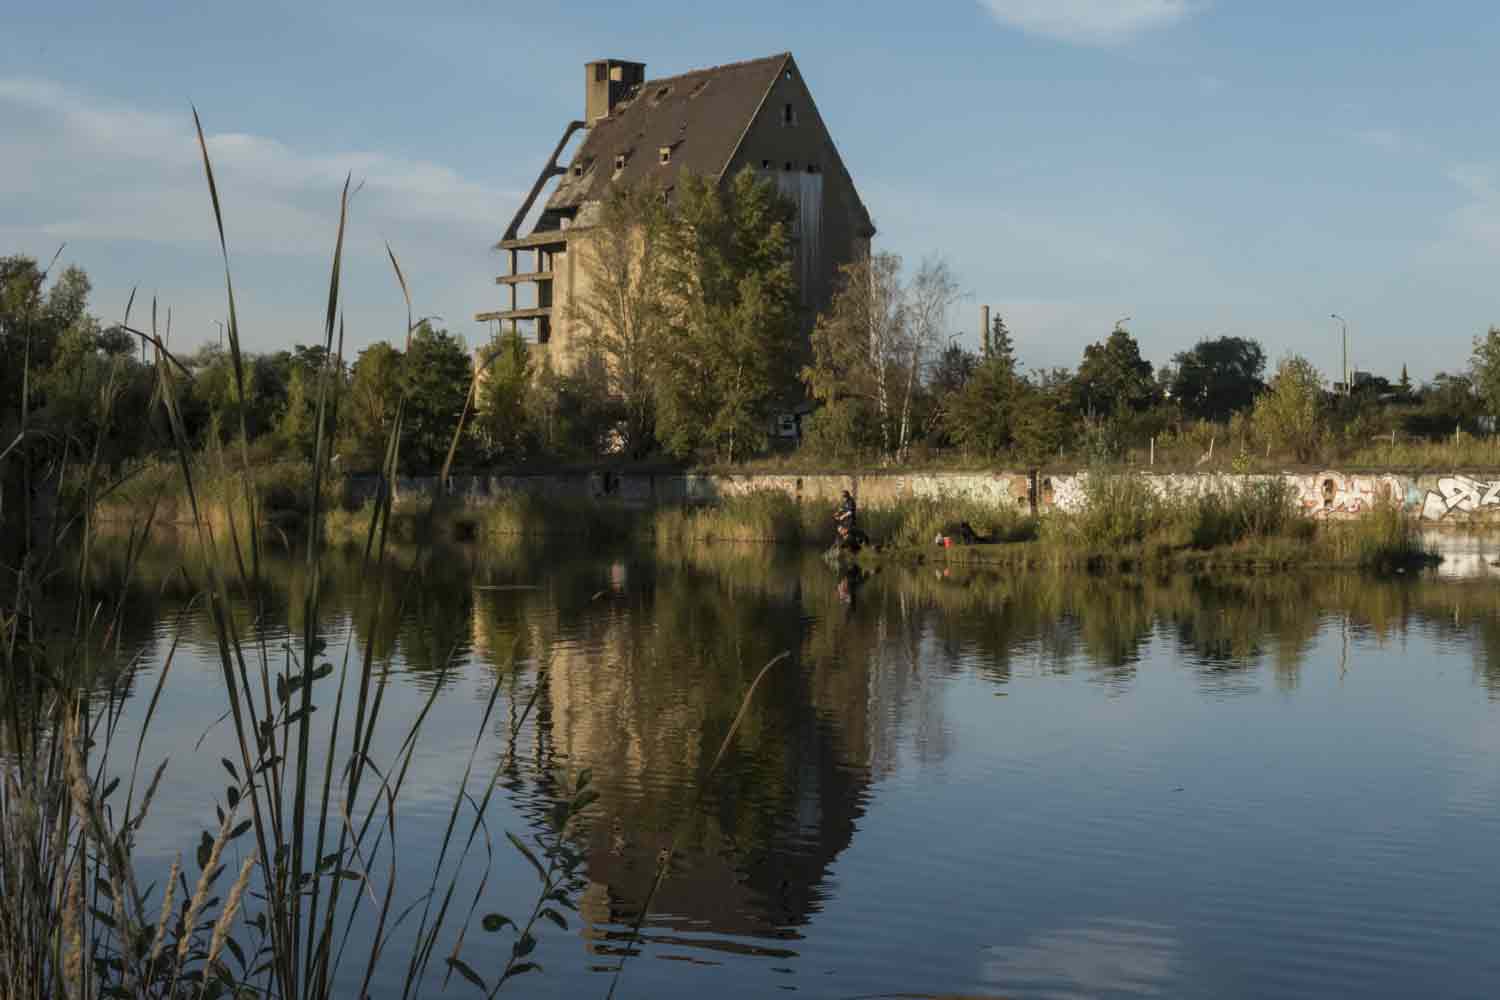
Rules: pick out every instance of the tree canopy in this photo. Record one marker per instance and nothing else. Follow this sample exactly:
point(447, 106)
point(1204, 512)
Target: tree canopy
point(1218, 377)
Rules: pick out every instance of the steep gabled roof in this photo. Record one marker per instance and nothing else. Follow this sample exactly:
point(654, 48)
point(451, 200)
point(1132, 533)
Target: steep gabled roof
point(701, 116)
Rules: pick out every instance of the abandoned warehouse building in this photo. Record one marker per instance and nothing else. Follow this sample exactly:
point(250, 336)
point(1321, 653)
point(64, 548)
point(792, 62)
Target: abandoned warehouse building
point(712, 123)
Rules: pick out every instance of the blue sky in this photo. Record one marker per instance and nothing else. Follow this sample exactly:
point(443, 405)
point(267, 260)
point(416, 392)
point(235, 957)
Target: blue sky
point(1202, 166)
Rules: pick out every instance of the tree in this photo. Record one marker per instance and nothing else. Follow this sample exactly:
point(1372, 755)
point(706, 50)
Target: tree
point(1041, 425)
point(998, 343)
point(870, 347)
point(1113, 377)
point(1287, 414)
point(980, 415)
point(623, 311)
point(731, 326)
point(435, 374)
point(369, 407)
point(932, 292)
point(954, 368)
point(1405, 384)
point(1218, 377)
point(857, 350)
point(33, 318)
point(501, 410)
point(1484, 365)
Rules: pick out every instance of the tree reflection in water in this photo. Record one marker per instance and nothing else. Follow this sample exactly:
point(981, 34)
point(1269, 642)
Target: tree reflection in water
point(647, 654)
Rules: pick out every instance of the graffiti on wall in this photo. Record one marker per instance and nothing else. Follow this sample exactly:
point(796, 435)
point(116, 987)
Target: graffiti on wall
point(1463, 494)
point(1334, 494)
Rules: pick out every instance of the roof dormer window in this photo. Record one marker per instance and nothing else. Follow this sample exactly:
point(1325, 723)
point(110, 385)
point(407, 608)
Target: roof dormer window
point(665, 154)
point(788, 115)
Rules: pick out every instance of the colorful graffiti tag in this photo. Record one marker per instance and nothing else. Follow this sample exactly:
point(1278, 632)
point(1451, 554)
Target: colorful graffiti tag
point(1334, 494)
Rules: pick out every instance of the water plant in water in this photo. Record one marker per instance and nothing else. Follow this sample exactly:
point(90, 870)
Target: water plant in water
point(314, 809)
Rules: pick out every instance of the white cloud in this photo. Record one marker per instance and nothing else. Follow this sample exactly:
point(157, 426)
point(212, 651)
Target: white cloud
point(102, 175)
point(1103, 956)
point(1090, 22)
point(1478, 219)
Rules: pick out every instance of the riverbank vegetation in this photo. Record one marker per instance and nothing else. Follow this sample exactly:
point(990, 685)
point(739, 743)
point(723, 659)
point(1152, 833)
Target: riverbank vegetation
point(714, 385)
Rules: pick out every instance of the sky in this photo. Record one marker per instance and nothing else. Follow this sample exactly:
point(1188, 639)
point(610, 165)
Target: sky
point(1203, 167)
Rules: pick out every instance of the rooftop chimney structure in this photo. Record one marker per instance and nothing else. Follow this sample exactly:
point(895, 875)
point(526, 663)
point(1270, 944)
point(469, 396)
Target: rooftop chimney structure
point(606, 82)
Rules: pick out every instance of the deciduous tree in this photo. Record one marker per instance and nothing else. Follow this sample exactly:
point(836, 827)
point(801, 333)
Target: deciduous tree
point(1287, 414)
point(1218, 377)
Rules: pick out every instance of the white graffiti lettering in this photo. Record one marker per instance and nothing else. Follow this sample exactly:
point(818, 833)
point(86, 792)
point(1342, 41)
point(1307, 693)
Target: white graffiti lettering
point(1462, 494)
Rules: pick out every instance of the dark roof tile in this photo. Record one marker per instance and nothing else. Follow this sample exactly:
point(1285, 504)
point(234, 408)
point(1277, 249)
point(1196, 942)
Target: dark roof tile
point(701, 115)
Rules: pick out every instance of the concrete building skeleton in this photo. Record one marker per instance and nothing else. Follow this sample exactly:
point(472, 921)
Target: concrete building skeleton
point(710, 122)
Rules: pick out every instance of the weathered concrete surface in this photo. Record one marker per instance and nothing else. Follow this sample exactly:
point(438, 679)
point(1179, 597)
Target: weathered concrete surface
point(1441, 499)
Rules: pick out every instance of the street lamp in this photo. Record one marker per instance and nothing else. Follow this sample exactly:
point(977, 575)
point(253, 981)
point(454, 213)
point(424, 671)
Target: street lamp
point(1345, 326)
point(221, 333)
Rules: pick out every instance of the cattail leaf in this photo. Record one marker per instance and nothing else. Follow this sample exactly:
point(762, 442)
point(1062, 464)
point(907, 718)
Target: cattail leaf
point(114, 783)
point(282, 693)
point(526, 853)
point(520, 968)
point(232, 795)
point(555, 917)
point(229, 766)
point(492, 922)
point(240, 829)
point(454, 962)
point(236, 950)
point(525, 946)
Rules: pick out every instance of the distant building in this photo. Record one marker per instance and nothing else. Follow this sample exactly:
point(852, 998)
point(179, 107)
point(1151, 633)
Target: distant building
point(710, 122)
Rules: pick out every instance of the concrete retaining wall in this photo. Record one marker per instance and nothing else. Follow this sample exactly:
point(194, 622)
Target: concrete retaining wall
point(1452, 499)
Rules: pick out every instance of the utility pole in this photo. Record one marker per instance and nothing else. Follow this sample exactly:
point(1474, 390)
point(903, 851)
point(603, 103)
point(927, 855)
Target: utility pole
point(1345, 326)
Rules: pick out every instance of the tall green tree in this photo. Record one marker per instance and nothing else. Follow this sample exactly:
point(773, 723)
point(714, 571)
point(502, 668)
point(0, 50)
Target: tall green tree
point(435, 374)
point(858, 355)
point(1113, 377)
point(624, 311)
point(1484, 365)
point(502, 424)
point(981, 415)
point(369, 407)
point(731, 331)
point(1218, 377)
point(1288, 414)
point(1043, 424)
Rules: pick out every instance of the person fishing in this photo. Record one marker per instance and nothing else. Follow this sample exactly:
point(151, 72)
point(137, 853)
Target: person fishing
point(846, 522)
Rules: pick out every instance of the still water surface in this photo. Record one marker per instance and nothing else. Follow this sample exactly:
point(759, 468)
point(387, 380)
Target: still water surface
point(976, 785)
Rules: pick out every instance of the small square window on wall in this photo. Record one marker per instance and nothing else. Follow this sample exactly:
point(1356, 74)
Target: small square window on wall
point(665, 154)
point(620, 161)
point(765, 164)
point(788, 115)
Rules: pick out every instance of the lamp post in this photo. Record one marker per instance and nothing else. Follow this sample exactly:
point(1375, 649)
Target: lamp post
point(221, 333)
point(1344, 324)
